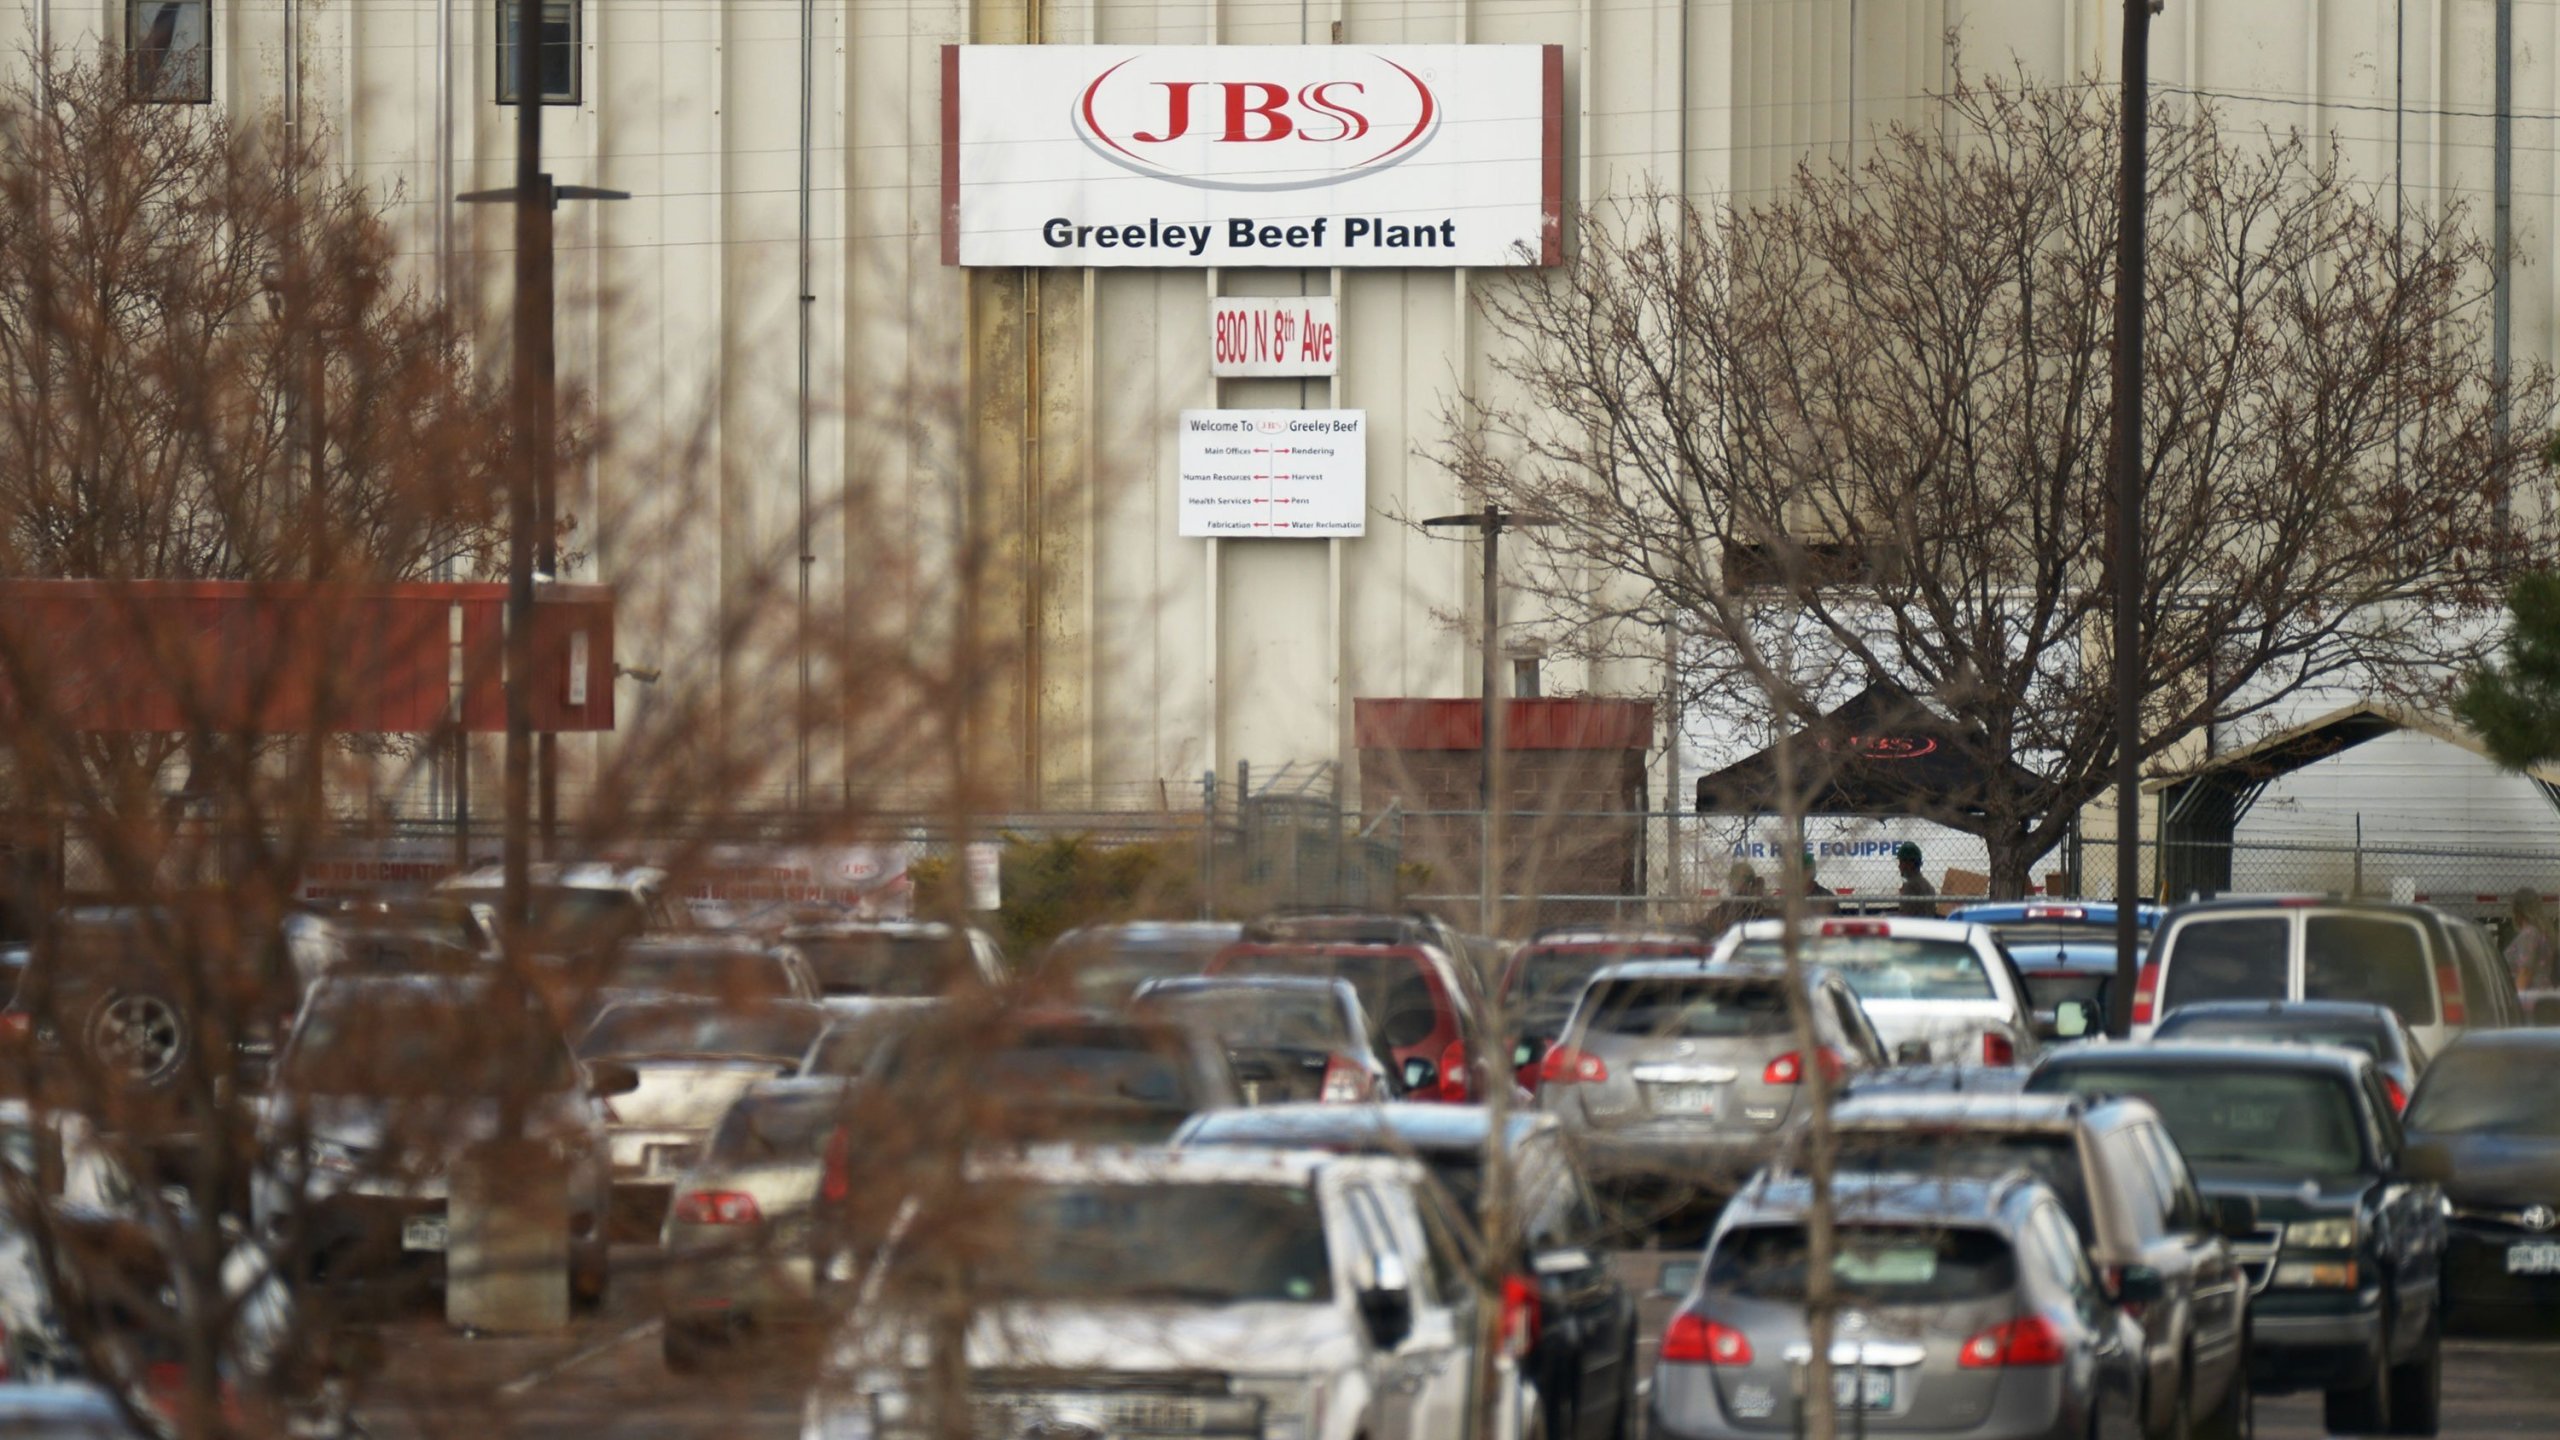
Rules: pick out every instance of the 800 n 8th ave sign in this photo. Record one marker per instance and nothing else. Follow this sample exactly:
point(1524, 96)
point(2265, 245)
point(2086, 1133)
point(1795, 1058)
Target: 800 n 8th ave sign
point(1252, 155)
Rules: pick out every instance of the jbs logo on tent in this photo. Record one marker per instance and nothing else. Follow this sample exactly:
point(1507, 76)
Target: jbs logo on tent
point(1425, 155)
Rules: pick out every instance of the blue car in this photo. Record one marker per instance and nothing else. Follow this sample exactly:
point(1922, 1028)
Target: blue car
point(2066, 949)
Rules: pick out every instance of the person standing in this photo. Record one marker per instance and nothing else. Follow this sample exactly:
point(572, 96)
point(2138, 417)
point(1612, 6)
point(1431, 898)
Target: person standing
point(1919, 897)
point(2530, 953)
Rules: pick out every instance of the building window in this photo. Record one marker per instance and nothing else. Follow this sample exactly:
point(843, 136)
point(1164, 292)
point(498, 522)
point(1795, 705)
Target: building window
point(1524, 677)
point(558, 59)
point(171, 46)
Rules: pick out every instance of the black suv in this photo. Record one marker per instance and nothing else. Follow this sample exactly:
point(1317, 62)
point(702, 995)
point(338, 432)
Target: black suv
point(1584, 1356)
point(2158, 1247)
point(2348, 1261)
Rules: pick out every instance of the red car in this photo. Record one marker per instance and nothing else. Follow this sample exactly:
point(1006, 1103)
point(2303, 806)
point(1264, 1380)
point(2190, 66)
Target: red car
point(1420, 996)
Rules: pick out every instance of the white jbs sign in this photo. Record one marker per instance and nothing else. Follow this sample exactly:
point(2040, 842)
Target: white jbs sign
point(1259, 335)
point(1252, 155)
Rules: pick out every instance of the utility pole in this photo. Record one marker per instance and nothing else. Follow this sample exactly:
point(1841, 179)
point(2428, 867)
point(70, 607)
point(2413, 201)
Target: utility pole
point(2132, 202)
point(2502, 283)
point(531, 505)
point(1492, 520)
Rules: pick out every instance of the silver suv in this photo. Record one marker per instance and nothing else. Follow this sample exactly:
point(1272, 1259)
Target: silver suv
point(1666, 1066)
point(1939, 991)
point(1274, 1294)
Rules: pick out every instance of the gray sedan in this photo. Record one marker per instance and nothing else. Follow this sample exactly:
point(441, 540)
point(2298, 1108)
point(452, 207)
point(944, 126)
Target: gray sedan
point(1966, 1308)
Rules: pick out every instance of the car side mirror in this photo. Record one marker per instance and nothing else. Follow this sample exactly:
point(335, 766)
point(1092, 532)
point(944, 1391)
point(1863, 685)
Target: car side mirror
point(2140, 1285)
point(2235, 1216)
point(1911, 1052)
point(1386, 1301)
point(2073, 1019)
point(2427, 1163)
point(611, 1077)
point(1419, 1073)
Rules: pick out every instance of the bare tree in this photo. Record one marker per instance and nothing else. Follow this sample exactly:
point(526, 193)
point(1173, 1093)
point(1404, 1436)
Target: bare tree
point(1869, 420)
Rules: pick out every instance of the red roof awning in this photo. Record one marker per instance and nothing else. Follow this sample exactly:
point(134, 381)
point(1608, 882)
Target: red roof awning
point(1561, 724)
point(178, 657)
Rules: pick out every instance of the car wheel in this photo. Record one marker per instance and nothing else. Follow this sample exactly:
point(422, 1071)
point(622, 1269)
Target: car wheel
point(2359, 1409)
point(2236, 1417)
point(2417, 1389)
point(1622, 1424)
point(2182, 1418)
point(138, 1037)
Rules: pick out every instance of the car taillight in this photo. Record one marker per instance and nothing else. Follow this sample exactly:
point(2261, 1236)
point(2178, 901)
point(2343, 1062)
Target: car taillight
point(1457, 1084)
point(2027, 1340)
point(2146, 992)
point(1344, 1083)
point(1788, 1069)
point(718, 1207)
point(835, 1180)
point(2449, 994)
point(1565, 1065)
point(2399, 1098)
point(1520, 1315)
point(1998, 1049)
point(1693, 1339)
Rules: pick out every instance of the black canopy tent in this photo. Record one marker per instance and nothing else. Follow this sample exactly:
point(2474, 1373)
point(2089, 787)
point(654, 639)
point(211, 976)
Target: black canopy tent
point(1882, 752)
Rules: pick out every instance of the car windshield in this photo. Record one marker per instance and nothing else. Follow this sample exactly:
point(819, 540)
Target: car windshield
point(408, 1043)
point(846, 1047)
point(2256, 1116)
point(766, 1129)
point(2240, 957)
point(896, 966)
point(2187, 1025)
point(1969, 1155)
point(1686, 1009)
point(1552, 978)
point(572, 918)
point(1885, 967)
point(1874, 1264)
point(1390, 984)
point(1208, 1243)
point(2381, 959)
point(664, 1031)
point(723, 973)
point(2494, 1091)
point(1246, 1017)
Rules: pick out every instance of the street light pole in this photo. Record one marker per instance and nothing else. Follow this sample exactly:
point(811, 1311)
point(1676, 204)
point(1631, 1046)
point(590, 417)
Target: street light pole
point(1491, 521)
point(2126, 547)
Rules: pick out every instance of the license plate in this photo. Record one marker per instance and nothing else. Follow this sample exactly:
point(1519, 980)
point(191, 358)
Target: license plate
point(422, 1232)
point(2541, 1259)
point(1683, 1099)
point(1862, 1389)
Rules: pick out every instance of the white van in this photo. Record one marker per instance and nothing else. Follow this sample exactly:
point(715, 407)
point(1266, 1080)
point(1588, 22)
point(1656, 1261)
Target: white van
point(2436, 970)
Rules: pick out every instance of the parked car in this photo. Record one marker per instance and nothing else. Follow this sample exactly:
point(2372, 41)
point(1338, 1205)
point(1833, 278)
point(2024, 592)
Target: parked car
point(385, 1084)
point(738, 1242)
point(2066, 950)
point(856, 1029)
point(64, 1412)
point(1939, 991)
point(2485, 1119)
point(577, 908)
point(131, 993)
point(690, 1060)
point(1285, 1039)
point(1969, 1309)
point(1422, 994)
point(1583, 1359)
point(1101, 965)
point(1055, 1075)
point(1545, 977)
point(734, 970)
point(2376, 1030)
point(894, 959)
point(1669, 1068)
point(2348, 1260)
point(2436, 970)
point(1195, 1292)
point(2133, 1202)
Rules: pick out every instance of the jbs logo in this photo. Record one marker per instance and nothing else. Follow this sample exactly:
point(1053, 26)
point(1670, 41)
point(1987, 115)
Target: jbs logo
point(1158, 115)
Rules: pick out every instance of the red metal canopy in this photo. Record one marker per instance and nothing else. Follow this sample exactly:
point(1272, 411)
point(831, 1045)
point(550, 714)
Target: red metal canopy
point(218, 656)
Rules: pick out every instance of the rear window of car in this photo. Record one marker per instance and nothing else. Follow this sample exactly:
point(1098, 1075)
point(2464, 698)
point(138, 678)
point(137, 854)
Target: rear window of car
point(1970, 1155)
point(2375, 958)
point(1392, 989)
point(1069, 1064)
point(885, 965)
point(2049, 989)
point(707, 1031)
point(733, 974)
point(2243, 957)
point(2363, 1038)
point(1247, 1017)
point(765, 1129)
point(1684, 1009)
point(2475, 1090)
point(1873, 1265)
point(1885, 967)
